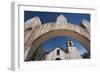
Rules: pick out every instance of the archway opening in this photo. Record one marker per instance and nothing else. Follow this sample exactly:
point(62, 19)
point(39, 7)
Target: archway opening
point(60, 32)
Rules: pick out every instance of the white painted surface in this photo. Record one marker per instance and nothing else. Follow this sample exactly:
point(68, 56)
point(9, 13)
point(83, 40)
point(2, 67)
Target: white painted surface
point(73, 53)
point(53, 54)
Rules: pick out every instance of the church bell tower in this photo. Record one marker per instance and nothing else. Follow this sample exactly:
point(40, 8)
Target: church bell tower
point(72, 50)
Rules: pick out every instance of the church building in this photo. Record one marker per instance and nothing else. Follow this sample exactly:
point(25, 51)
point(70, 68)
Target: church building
point(59, 53)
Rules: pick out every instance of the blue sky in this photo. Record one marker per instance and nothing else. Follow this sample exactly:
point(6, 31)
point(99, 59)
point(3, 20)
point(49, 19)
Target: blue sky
point(61, 40)
point(45, 17)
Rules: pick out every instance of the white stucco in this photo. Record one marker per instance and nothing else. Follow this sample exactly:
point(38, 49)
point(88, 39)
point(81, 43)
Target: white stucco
point(53, 54)
point(73, 53)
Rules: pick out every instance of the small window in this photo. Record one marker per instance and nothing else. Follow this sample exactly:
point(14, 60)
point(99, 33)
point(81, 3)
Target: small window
point(58, 52)
point(70, 44)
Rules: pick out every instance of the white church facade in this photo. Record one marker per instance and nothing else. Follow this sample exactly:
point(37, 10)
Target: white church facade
point(59, 53)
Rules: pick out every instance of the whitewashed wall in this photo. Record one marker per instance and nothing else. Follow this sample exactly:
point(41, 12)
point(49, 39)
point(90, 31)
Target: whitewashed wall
point(53, 55)
point(73, 53)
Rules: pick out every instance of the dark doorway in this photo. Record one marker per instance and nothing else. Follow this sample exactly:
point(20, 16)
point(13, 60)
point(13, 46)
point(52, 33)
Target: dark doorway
point(58, 59)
